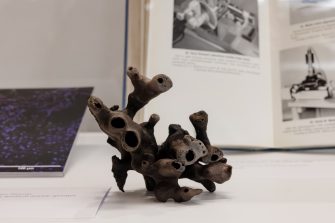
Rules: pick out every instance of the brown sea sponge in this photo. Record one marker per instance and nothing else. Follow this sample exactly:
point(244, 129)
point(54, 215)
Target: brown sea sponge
point(180, 156)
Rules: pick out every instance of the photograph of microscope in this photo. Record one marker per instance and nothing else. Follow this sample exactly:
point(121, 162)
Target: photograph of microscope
point(307, 89)
point(308, 10)
point(314, 83)
point(228, 26)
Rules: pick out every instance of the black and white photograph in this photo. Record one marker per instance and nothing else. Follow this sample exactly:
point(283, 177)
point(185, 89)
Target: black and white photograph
point(227, 26)
point(307, 82)
point(302, 11)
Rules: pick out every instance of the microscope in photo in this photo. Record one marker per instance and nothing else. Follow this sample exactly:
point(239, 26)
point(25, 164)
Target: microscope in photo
point(315, 85)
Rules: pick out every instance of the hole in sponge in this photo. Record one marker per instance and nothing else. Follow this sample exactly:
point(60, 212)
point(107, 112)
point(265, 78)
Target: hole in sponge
point(131, 139)
point(214, 157)
point(118, 123)
point(176, 165)
point(190, 155)
point(97, 105)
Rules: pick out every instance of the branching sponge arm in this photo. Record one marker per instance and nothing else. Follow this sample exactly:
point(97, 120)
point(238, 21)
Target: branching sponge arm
point(144, 89)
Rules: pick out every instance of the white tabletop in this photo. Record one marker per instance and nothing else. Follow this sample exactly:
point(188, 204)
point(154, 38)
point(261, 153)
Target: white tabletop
point(265, 187)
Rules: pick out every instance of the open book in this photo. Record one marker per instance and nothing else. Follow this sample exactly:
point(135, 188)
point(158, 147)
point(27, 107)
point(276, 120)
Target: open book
point(262, 70)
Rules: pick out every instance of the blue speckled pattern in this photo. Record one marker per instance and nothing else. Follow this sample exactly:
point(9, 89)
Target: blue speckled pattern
point(38, 127)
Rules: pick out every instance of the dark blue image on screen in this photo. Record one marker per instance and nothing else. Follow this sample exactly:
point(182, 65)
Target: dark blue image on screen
point(38, 127)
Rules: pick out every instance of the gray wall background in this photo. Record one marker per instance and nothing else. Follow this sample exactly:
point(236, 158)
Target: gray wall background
point(64, 43)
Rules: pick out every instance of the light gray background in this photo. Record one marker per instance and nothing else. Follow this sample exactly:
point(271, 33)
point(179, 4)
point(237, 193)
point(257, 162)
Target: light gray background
point(64, 43)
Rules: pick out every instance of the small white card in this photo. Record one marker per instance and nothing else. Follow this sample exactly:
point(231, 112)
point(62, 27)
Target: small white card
point(51, 202)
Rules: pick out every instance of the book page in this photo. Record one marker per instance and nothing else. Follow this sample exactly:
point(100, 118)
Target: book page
point(50, 203)
point(303, 38)
point(216, 53)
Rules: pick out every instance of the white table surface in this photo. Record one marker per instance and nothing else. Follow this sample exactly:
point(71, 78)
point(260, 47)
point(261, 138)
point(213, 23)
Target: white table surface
point(265, 187)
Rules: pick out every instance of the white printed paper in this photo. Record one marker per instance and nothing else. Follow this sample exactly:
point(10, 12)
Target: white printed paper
point(51, 202)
